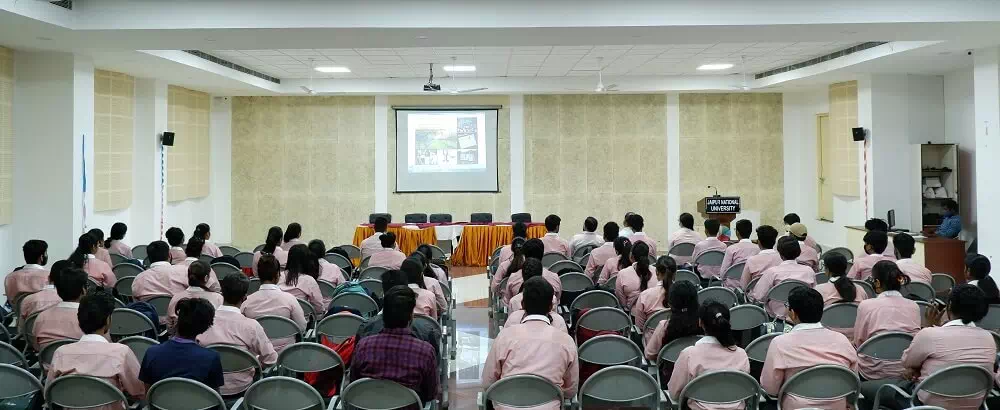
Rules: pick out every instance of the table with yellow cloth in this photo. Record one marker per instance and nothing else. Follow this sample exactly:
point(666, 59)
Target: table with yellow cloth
point(408, 239)
point(479, 241)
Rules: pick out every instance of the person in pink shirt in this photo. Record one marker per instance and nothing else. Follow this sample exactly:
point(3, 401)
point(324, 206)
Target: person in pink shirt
point(889, 312)
point(519, 230)
point(614, 264)
point(94, 355)
point(535, 345)
point(809, 344)
point(739, 252)
point(809, 255)
point(686, 234)
point(431, 269)
point(683, 321)
point(509, 266)
point(553, 243)
point(717, 350)
point(788, 269)
point(114, 242)
point(430, 279)
point(710, 243)
point(600, 255)
point(60, 321)
point(389, 258)
point(875, 243)
point(654, 299)
point(197, 288)
point(175, 237)
point(373, 244)
point(586, 238)
point(293, 236)
point(204, 232)
point(230, 327)
point(327, 271)
point(766, 259)
point(792, 219)
point(270, 300)
point(33, 276)
point(839, 289)
point(83, 258)
point(299, 279)
point(977, 270)
point(426, 301)
point(47, 297)
point(193, 251)
point(271, 248)
point(905, 247)
point(635, 279)
point(879, 225)
point(533, 249)
point(637, 223)
point(102, 254)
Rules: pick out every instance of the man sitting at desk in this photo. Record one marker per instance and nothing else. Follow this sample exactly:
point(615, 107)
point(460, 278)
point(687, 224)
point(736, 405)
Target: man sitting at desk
point(951, 225)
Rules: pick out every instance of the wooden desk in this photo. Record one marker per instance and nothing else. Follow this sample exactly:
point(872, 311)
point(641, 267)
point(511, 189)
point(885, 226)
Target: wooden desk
point(940, 255)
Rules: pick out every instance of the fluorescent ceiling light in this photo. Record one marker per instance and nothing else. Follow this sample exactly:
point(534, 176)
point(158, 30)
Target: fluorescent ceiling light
point(460, 68)
point(718, 66)
point(333, 69)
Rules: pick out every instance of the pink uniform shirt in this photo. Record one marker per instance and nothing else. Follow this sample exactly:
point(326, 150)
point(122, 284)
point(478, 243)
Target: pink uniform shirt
point(120, 248)
point(737, 253)
point(515, 318)
point(307, 289)
point(161, 279)
point(279, 254)
point(936, 348)
point(585, 239)
point(862, 267)
point(708, 244)
point(192, 292)
point(99, 271)
point(915, 271)
point(830, 295)
point(786, 270)
point(654, 342)
point(271, 301)
point(627, 287)
point(757, 264)
point(387, 258)
point(649, 302)
point(506, 253)
point(553, 243)
point(426, 304)
point(499, 275)
point(211, 249)
point(37, 302)
point(104, 256)
point(610, 269)
point(94, 356)
point(598, 257)
point(889, 312)
point(57, 322)
point(683, 235)
point(287, 246)
point(706, 355)
point(806, 346)
point(535, 347)
point(373, 244)
point(516, 280)
point(177, 255)
point(434, 286)
point(230, 327)
point(331, 272)
point(809, 256)
point(29, 279)
point(642, 237)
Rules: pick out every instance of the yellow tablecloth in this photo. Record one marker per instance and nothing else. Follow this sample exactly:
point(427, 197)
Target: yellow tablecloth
point(407, 239)
point(479, 241)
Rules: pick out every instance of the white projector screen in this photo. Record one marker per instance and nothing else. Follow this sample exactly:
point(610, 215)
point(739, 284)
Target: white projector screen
point(446, 150)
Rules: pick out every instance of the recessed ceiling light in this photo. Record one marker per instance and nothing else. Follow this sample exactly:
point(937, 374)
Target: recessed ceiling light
point(421, 37)
point(333, 69)
point(459, 68)
point(718, 66)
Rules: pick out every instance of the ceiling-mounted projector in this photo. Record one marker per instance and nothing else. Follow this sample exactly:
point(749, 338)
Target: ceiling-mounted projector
point(432, 87)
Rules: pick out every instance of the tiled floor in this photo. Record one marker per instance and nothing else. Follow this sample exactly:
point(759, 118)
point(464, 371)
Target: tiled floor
point(471, 292)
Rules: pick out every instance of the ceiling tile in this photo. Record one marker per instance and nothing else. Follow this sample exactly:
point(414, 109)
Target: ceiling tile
point(375, 51)
point(544, 50)
point(263, 53)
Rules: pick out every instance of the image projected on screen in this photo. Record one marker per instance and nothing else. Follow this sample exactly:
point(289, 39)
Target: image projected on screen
point(446, 142)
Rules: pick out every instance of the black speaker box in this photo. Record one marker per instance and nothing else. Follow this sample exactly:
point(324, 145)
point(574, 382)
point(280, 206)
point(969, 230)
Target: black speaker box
point(167, 139)
point(859, 133)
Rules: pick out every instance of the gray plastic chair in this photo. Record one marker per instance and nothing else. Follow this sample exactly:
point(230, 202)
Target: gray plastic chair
point(594, 299)
point(10, 355)
point(177, 393)
point(655, 320)
point(364, 263)
point(339, 328)
point(735, 271)
point(992, 319)
point(77, 392)
point(923, 313)
point(610, 350)
point(687, 276)
point(746, 317)
point(128, 322)
point(126, 269)
point(757, 349)
point(372, 272)
point(996, 339)
point(582, 251)
point(869, 290)
point(780, 292)
point(719, 294)
point(363, 303)
point(258, 248)
point(710, 258)
point(961, 381)
point(353, 252)
point(245, 259)
point(161, 304)
point(229, 250)
point(721, 387)
point(437, 253)
point(583, 261)
point(520, 391)
point(550, 258)
point(565, 265)
point(575, 282)
point(16, 305)
point(372, 394)
point(620, 386)
point(842, 251)
point(373, 286)
point(124, 286)
point(117, 259)
point(17, 382)
point(681, 249)
point(612, 281)
point(821, 278)
point(49, 350)
point(920, 290)
point(840, 315)
point(235, 359)
point(824, 382)
point(277, 327)
point(139, 252)
point(603, 319)
point(671, 351)
point(308, 357)
point(942, 284)
point(139, 345)
point(339, 260)
point(28, 330)
point(886, 346)
point(206, 259)
point(308, 311)
point(326, 288)
point(223, 269)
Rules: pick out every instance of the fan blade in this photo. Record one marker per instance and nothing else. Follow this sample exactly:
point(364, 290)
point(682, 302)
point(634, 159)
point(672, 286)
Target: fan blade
point(612, 87)
point(307, 89)
point(471, 90)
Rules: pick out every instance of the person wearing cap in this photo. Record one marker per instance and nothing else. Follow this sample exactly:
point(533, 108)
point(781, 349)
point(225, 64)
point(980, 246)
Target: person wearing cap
point(809, 255)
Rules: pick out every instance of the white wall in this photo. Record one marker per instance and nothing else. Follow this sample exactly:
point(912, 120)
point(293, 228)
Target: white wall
point(960, 128)
point(987, 125)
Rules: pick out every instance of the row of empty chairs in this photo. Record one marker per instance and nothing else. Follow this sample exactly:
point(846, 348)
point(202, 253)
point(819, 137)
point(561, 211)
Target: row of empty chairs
point(475, 218)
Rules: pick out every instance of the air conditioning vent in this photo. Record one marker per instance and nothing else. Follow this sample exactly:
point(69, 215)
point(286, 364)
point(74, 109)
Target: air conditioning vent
point(234, 66)
point(66, 4)
point(820, 59)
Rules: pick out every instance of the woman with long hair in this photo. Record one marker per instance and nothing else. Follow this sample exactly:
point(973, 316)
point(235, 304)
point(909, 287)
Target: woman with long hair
point(431, 283)
point(509, 266)
point(292, 236)
point(198, 275)
point(717, 350)
point(204, 232)
point(300, 278)
point(654, 299)
point(84, 257)
point(426, 304)
point(890, 311)
point(634, 279)
point(840, 288)
point(977, 269)
point(439, 273)
point(622, 259)
point(102, 251)
point(683, 322)
point(327, 271)
point(114, 242)
point(272, 246)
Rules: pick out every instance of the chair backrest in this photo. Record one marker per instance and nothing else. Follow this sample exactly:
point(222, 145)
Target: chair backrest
point(582, 251)
point(746, 317)
point(520, 217)
point(575, 282)
point(371, 394)
point(996, 339)
point(77, 392)
point(481, 218)
point(415, 218)
point(374, 216)
point(961, 381)
point(551, 258)
point(842, 251)
point(886, 345)
point(326, 288)
point(757, 349)
point(29, 328)
point(824, 382)
point(206, 259)
point(339, 260)
point(821, 278)
point(992, 319)
point(49, 350)
point(620, 386)
point(735, 271)
point(258, 248)
point(671, 351)
point(721, 387)
point(780, 293)
point(682, 249)
point(17, 382)
point(440, 218)
point(128, 322)
point(277, 327)
point(610, 350)
point(655, 320)
point(923, 313)
point(840, 315)
point(869, 290)
point(372, 272)
point(362, 303)
point(223, 269)
point(161, 304)
point(710, 258)
point(564, 266)
point(139, 252)
point(373, 286)
point(687, 276)
point(236, 359)
point(594, 299)
point(339, 327)
point(437, 253)
point(124, 286)
point(523, 390)
point(254, 286)
point(229, 250)
point(139, 345)
point(176, 393)
point(245, 259)
point(919, 290)
point(719, 294)
point(116, 259)
point(308, 357)
point(612, 281)
point(126, 269)
point(606, 319)
point(352, 251)
point(10, 355)
point(427, 321)
point(942, 282)
point(307, 309)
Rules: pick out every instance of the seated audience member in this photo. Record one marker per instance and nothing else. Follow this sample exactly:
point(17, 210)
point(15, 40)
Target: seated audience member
point(230, 327)
point(792, 219)
point(300, 278)
point(951, 224)
point(533, 249)
point(83, 258)
point(626, 229)
point(634, 279)
point(739, 252)
point(766, 259)
point(808, 344)
point(710, 243)
point(875, 243)
point(420, 329)
point(789, 250)
point(533, 269)
point(271, 248)
point(686, 234)
point(588, 237)
point(614, 264)
point(654, 299)
point(102, 254)
point(600, 255)
point(431, 281)
point(48, 296)
point(162, 278)
point(270, 300)
point(809, 255)
point(192, 251)
point(389, 258)
point(520, 230)
point(536, 345)
point(553, 243)
point(509, 266)
point(977, 269)
point(181, 356)
point(197, 288)
point(292, 237)
point(638, 224)
point(431, 268)
point(175, 237)
point(683, 321)
point(33, 276)
point(60, 321)
point(394, 354)
point(890, 311)
point(327, 271)
point(426, 303)
point(904, 244)
point(204, 232)
point(957, 342)
point(839, 289)
point(94, 355)
point(373, 244)
point(717, 350)
point(879, 225)
point(115, 243)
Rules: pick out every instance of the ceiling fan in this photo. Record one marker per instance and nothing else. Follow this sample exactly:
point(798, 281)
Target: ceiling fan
point(433, 88)
point(745, 87)
point(600, 88)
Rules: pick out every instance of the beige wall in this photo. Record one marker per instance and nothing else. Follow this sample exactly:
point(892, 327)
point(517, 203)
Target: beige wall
point(733, 141)
point(6, 134)
point(844, 151)
point(188, 164)
point(302, 159)
point(596, 155)
point(114, 123)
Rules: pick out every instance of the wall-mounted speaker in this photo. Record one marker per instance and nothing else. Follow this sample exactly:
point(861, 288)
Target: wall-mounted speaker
point(859, 133)
point(167, 139)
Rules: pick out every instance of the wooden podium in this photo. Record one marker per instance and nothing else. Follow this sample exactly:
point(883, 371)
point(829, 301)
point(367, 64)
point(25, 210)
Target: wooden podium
point(722, 208)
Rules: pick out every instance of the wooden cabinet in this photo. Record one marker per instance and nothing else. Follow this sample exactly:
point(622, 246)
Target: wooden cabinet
point(939, 180)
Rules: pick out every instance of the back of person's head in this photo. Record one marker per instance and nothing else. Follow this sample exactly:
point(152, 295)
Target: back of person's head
point(388, 240)
point(686, 220)
point(268, 268)
point(71, 284)
point(294, 231)
point(807, 304)
point(35, 251)
point(94, 312)
point(317, 248)
point(789, 248)
point(683, 301)
point(273, 240)
point(533, 248)
point(393, 278)
point(414, 270)
point(712, 227)
point(537, 298)
point(715, 322)
point(767, 236)
point(887, 276)
point(623, 247)
point(397, 307)
point(878, 240)
point(175, 236)
point(904, 244)
point(57, 269)
point(640, 254)
point(791, 219)
point(300, 262)
point(836, 266)
point(666, 269)
point(978, 268)
point(520, 230)
point(590, 224)
point(234, 289)
point(194, 317)
point(517, 259)
point(85, 245)
point(876, 224)
point(198, 273)
point(118, 231)
point(381, 224)
point(97, 234)
point(744, 228)
point(552, 223)
point(158, 251)
point(194, 247)
point(968, 303)
point(637, 222)
point(202, 231)
point(532, 267)
point(611, 230)
point(627, 222)
point(950, 206)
